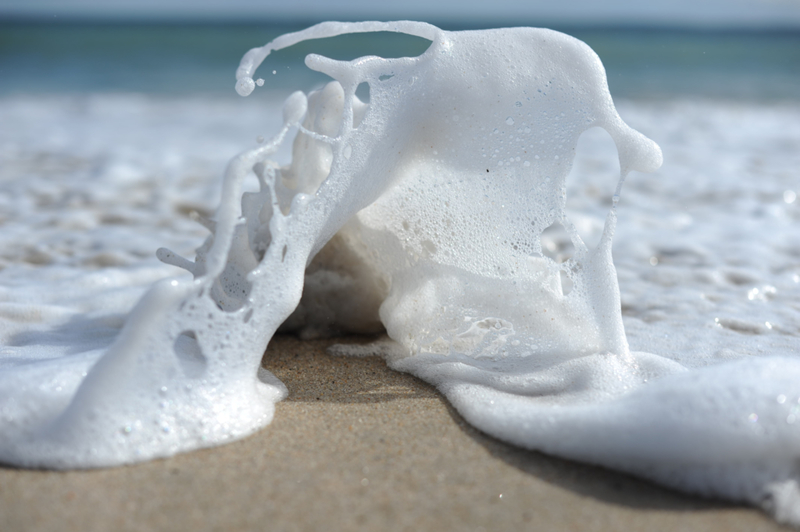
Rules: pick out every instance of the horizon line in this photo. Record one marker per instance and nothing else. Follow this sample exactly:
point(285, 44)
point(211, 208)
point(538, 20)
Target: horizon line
point(451, 23)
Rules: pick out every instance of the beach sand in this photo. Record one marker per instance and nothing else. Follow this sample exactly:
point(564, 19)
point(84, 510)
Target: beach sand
point(356, 446)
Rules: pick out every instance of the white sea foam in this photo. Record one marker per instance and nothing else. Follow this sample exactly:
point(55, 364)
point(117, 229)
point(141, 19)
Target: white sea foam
point(462, 262)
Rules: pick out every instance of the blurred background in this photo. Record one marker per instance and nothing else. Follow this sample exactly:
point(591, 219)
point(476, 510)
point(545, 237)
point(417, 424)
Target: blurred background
point(129, 107)
point(732, 49)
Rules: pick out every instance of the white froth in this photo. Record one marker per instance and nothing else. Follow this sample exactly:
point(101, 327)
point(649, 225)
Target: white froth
point(439, 211)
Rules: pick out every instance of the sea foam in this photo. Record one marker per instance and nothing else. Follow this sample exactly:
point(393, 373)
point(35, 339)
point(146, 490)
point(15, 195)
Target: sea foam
point(425, 211)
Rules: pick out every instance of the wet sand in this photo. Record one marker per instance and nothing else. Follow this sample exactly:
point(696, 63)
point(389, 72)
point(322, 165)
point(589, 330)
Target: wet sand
point(356, 446)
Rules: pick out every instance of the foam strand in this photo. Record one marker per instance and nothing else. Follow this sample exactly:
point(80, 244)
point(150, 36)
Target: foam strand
point(253, 58)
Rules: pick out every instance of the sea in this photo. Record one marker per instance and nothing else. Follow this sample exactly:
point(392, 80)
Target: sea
point(161, 59)
point(112, 135)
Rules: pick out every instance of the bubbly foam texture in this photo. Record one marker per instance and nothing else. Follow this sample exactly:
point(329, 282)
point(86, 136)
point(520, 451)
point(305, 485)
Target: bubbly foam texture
point(432, 211)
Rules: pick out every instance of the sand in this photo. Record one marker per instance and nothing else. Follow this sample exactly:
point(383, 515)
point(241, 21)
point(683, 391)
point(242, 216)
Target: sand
point(356, 446)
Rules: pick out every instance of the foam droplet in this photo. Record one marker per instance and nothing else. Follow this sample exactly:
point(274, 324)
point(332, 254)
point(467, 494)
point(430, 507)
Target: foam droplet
point(245, 86)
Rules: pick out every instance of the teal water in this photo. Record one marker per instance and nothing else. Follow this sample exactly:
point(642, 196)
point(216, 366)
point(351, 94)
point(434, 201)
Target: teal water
point(643, 63)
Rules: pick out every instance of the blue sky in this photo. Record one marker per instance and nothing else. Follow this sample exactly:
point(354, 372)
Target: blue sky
point(758, 13)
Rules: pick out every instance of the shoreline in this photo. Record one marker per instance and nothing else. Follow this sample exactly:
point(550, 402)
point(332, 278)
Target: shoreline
point(357, 446)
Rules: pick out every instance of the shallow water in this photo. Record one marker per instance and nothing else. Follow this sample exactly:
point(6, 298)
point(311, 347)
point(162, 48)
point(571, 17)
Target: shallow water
point(710, 236)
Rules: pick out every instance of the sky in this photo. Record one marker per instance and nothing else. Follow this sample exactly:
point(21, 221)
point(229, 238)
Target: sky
point(704, 13)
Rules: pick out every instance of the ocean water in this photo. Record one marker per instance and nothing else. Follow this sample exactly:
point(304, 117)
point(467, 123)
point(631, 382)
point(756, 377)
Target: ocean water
point(112, 137)
point(642, 63)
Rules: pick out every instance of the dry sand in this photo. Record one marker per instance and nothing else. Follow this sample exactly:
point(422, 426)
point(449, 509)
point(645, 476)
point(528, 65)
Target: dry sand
point(356, 446)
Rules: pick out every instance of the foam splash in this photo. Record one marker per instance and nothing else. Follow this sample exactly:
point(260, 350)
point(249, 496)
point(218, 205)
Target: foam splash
point(425, 208)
